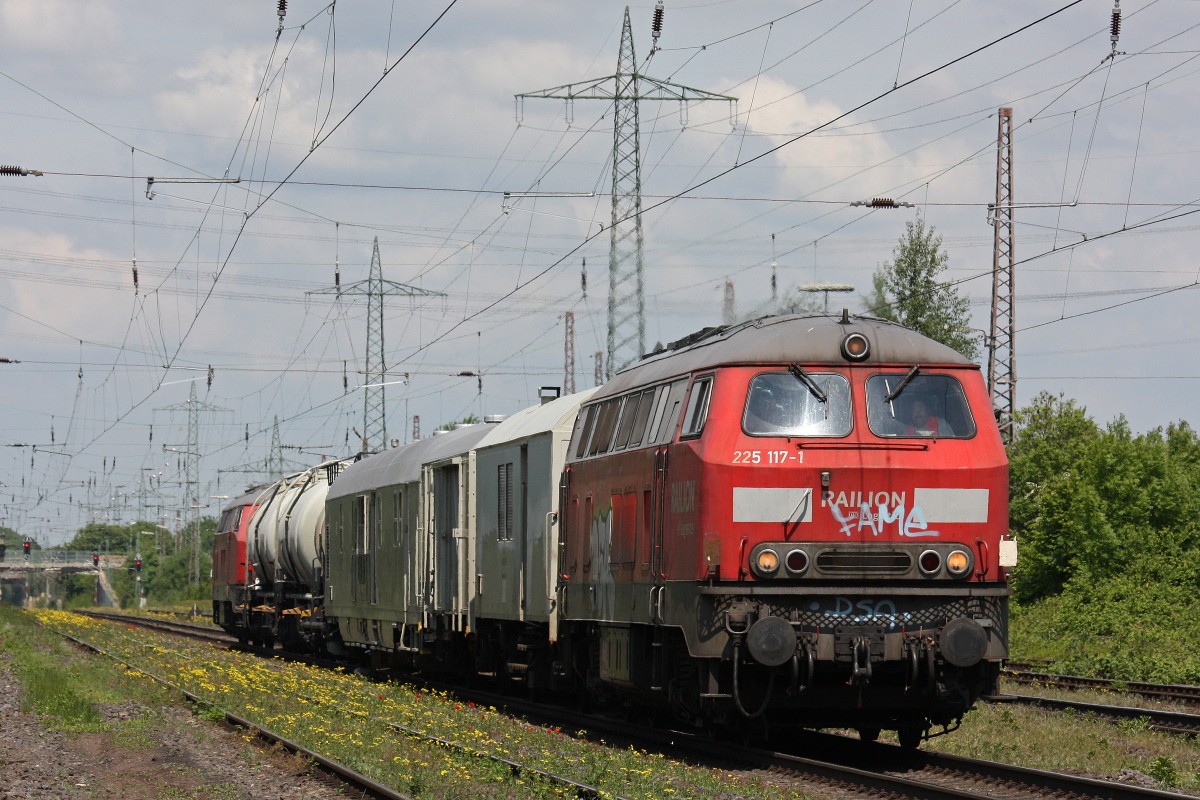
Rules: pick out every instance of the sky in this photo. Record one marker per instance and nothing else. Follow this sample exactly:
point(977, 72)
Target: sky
point(281, 149)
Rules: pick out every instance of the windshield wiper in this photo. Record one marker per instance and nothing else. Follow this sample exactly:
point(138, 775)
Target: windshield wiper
point(912, 373)
point(807, 380)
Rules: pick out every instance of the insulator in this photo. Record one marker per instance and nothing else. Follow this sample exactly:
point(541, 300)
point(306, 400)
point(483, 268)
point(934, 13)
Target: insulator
point(1116, 23)
point(135, 276)
point(282, 9)
point(656, 26)
point(210, 375)
point(9, 169)
point(882, 202)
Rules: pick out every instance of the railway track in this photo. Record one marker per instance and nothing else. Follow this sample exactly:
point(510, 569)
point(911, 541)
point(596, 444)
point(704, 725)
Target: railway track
point(818, 760)
point(1157, 691)
point(192, 631)
point(833, 761)
point(1155, 719)
point(352, 778)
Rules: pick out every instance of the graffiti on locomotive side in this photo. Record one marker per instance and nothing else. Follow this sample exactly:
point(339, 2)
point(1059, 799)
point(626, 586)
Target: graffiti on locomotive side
point(604, 590)
point(881, 517)
point(683, 497)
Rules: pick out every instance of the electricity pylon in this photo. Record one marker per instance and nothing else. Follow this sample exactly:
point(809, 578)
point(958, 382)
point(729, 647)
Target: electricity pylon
point(191, 482)
point(375, 288)
point(625, 89)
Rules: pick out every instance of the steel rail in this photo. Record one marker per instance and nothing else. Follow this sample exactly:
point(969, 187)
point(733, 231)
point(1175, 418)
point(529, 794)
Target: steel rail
point(1164, 691)
point(1156, 719)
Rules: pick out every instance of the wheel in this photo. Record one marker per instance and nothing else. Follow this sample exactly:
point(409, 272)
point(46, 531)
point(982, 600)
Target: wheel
point(910, 737)
point(868, 734)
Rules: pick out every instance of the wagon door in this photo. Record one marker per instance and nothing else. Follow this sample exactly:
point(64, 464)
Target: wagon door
point(446, 526)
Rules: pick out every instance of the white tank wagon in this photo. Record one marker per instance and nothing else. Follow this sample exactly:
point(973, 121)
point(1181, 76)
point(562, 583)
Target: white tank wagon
point(285, 541)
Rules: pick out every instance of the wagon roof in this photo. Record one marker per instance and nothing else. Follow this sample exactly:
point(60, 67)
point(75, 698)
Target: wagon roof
point(557, 414)
point(793, 338)
point(403, 464)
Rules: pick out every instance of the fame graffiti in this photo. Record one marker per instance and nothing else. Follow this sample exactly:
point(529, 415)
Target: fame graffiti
point(882, 519)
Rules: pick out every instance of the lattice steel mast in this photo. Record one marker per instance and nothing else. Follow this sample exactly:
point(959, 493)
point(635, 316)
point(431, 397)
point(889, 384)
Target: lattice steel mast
point(569, 353)
point(626, 286)
point(1002, 354)
point(375, 288)
point(191, 482)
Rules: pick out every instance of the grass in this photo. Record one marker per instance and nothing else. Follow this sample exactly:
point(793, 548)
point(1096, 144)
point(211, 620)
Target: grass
point(340, 715)
point(345, 718)
point(65, 687)
point(1074, 742)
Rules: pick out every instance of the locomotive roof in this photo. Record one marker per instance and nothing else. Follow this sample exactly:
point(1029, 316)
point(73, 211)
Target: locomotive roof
point(403, 464)
point(247, 499)
point(787, 339)
point(559, 413)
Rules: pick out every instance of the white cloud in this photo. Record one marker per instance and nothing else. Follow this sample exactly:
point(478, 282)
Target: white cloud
point(781, 112)
point(58, 27)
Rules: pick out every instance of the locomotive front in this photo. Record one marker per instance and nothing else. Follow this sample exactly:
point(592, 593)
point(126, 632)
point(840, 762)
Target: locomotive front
point(853, 528)
point(800, 520)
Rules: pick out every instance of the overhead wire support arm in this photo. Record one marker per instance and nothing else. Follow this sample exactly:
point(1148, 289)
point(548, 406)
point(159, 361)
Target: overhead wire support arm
point(151, 181)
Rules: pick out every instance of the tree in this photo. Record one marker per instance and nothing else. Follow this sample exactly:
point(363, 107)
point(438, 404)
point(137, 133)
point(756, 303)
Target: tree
point(469, 419)
point(907, 290)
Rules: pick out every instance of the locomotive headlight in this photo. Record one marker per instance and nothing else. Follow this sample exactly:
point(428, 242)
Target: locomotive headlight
point(766, 562)
point(958, 563)
point(930, 562)
point(796, 562)
point(855, 347)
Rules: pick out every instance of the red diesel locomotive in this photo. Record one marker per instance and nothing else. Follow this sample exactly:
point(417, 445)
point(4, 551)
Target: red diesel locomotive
point(796, 521)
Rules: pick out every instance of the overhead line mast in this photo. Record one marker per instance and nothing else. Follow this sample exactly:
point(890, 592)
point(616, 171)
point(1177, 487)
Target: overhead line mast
point(1002, 354)
point(625, 89)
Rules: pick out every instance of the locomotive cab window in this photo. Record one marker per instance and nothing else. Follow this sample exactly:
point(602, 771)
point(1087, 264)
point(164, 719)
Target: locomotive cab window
point(697, 407)
point(797, 403)
point(924, 406)
point(583, 430)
